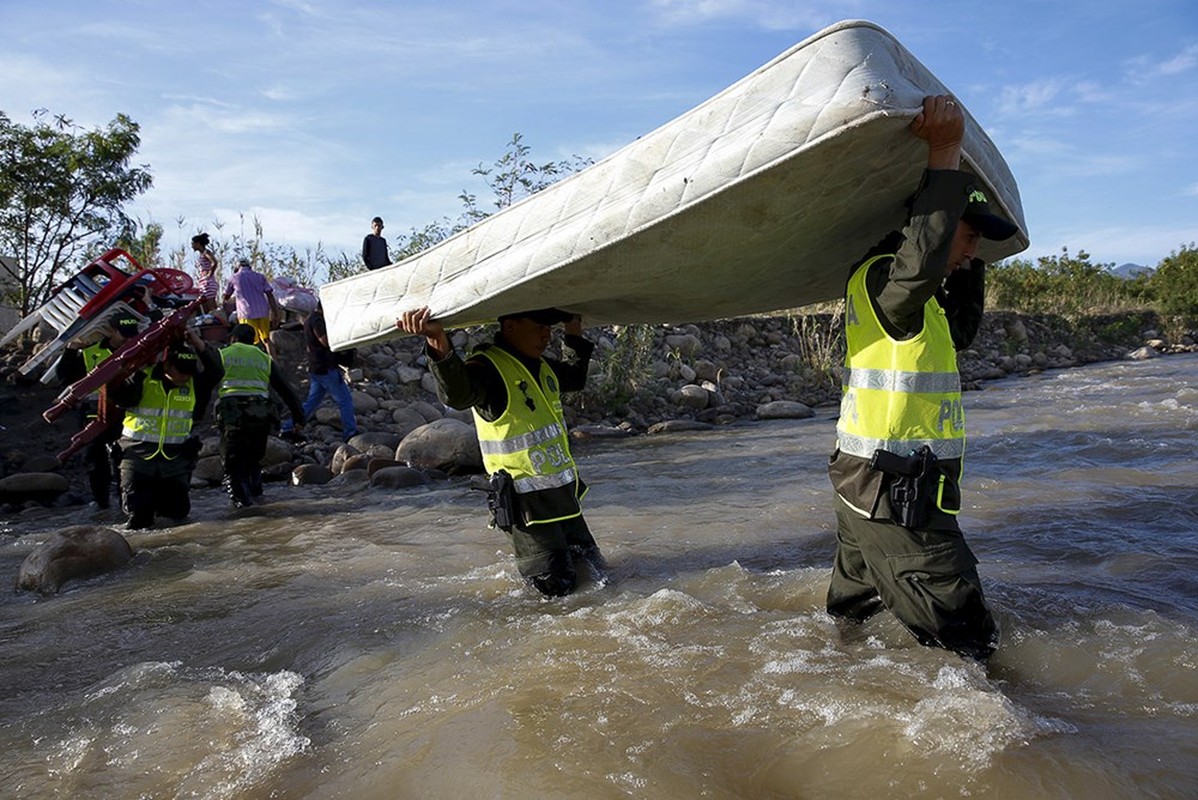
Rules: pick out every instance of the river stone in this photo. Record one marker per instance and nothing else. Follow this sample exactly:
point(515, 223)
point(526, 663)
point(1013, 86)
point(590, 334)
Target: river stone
point(364, 441)
point(376, 463)
point(678, 426)
point(691, 396)
point(77, 552)
point(40, 487)
point(41, 463)
point(398, 477)
point(359, 461)
point(595, 431)
point(406, 374)
point(784, 409)
point(427, 410)
point(406, 420)
point(277, 452)
point(446, 444)
point(208, 470)
point(311, 475)
point(354, 479)
point(364, 403)
point(342, 453)
point(1142, 354)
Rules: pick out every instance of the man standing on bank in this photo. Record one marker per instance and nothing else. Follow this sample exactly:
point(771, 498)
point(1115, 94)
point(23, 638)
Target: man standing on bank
point(900, 442)
point(515, 394)
point(374, 246)
point(246, 414)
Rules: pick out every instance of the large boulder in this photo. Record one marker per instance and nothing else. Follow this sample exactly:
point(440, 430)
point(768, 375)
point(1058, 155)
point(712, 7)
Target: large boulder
point(71, 554)
point(41, 487)
point(446, 444)
point(278, 451)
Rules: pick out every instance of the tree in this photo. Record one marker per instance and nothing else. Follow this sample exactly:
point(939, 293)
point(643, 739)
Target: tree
point(1175, 284)
point(62, 189)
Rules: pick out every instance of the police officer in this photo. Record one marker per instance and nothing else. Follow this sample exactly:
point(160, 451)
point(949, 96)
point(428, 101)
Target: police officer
point(901, 434)
point(102, 453)
point(158, 451)
point(246, 414)
point(515, 394)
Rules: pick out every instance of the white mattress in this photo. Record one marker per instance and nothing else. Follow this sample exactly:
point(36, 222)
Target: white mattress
point(758, 199)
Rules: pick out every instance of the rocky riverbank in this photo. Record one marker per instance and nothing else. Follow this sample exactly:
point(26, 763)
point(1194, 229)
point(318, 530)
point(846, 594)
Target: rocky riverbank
point(644, 380)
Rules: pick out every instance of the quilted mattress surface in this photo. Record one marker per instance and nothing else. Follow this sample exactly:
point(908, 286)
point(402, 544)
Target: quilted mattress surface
point(761, 198)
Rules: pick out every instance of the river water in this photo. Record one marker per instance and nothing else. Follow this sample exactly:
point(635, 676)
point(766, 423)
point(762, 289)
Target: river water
point(375, 644)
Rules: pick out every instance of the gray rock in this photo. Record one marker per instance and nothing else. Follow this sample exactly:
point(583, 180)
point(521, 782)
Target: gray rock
point(340, 456)
point(598, 432)
point(691, 396)
point(449, 445)
point(685, 344)
point(678, 426)
point(311, 475)
point(41, 463)
point(398, 477)
point(364, 403)
point(208, 470)
point(1142, 354)
point(360, 461)
point(784, 409)
point(364, 441)
point(278, 451)
point(406, 420)
point(39, 487)
point(72, 554)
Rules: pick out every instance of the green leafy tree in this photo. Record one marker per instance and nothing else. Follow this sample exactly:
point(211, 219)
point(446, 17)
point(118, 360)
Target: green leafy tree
point(145, 246)
point(1174, 285)
point(62, 190)
point(1068, 285)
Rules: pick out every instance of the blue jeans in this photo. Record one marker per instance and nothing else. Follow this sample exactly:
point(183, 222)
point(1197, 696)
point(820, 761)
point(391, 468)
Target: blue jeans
point(331, 384)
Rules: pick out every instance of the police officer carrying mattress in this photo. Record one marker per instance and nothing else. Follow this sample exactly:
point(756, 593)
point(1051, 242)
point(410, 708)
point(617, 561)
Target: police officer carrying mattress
point(515, 394)
point(901, 435)
point(246, 414)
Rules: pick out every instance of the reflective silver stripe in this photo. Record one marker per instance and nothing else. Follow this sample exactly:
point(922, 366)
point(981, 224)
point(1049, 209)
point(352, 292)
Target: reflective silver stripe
point(536, 483)
point(246, 384)
point(906, 382)
point(864, 447)
point(519, 444)
point(153, 436)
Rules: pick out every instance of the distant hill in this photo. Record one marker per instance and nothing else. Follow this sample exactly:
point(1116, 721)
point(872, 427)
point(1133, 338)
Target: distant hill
point(1130, 270)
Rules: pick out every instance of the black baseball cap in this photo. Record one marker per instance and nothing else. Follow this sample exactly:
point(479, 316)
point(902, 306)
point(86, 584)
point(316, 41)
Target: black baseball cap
point(988, 224)
point(541, 316)
point(124, 323)
point(183, 358)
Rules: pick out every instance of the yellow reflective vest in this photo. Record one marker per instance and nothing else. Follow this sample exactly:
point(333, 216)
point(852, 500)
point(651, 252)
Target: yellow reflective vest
point(529, 441)
point(93, 356)
point(898, 395)
point(247, 371)
point(162, 415)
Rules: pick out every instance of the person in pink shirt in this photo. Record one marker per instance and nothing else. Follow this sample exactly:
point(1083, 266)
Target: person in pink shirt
point(256, 304)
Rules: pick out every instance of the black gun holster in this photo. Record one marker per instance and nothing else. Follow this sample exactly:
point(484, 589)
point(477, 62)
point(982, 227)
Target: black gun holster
point(913, 483)
point(501, 500)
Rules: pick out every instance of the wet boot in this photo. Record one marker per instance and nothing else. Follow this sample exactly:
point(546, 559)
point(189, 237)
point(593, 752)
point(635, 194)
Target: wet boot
point(235, 485)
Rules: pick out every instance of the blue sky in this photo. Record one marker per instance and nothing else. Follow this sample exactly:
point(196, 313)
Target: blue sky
point(315, 115)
